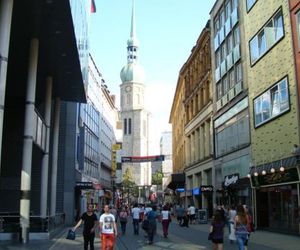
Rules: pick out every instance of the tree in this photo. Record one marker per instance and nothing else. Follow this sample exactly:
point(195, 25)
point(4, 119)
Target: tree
point(157, 177)
point(128, 179)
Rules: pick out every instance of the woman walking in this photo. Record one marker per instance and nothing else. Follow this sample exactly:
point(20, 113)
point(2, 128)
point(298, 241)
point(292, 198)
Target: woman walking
point(217, 231)
point(123, 220)
point(166, 219)
point(240, 224)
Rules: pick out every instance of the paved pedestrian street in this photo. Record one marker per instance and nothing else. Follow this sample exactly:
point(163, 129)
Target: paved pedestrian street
point(192, 238)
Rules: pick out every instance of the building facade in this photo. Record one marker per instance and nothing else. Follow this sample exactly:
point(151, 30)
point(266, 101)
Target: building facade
point(231, 107)
point(196, 73)
point(43, 61)
point(135, 117)
point(166, 150)
point(176, 181)
point(274, 115)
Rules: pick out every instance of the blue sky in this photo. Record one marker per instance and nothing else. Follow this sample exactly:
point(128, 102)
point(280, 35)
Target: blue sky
point(167, 31)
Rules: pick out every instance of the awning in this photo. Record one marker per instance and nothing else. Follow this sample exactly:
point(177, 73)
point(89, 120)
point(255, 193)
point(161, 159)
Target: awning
point(176, 181)
point(287, 163)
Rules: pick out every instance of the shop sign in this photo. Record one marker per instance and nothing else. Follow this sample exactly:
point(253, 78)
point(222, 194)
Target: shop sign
point(196, 191)
point(208, 188)
point(84, 185)
point(230, 180)
point(289, 175)
point(143, 158)
point(180, 190)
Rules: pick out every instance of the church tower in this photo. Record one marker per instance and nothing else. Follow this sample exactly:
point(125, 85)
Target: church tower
point(133, 114)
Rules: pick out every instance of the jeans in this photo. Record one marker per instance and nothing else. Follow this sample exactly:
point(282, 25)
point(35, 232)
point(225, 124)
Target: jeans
point(123, 227)
point(107, 241)
point(89, 238)
point(136, 226)
point(241, 239)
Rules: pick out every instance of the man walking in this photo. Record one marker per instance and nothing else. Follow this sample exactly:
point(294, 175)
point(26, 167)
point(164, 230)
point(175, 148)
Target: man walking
point(135, 218)
point(108, 229)
point(90, 222)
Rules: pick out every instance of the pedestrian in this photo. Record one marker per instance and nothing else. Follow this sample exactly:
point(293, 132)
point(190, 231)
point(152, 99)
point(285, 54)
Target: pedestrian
point(185, 219)
point(114, 211)
point(165, 220)
point(108, 229)
point(240, 224)
point(123, 220)
point(217, 231)
point(192, 214)
point(180, 214)
point(90, 222)
point(250, 226)
point(230, 219)
point(135, 218)
point(152, 215)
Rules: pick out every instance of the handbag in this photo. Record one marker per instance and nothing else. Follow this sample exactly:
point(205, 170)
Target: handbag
point(210, 236)
point(71, 235)
point(146, 224)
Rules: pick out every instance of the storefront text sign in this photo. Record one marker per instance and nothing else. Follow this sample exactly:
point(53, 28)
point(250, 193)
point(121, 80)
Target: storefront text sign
point(206, 189)
point(231, 180)
point(143, 158)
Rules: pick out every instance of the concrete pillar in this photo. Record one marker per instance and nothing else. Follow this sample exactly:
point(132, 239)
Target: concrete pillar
point(45, 161)
point(29, 130)
point(6, 8)
point(55, 156)
point(202, 145)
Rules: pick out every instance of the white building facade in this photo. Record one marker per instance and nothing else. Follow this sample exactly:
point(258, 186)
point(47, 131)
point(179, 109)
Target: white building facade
point(166, 150)
point(134, 117)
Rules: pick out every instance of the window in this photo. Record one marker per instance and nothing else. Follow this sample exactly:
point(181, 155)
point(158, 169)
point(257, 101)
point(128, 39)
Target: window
point(225, 85)
point(236, 36)
point(238, 73)
point(227, 9)
point(218, 58)
point(233, 134)
point(229, 44)
point(298, 27)
point(267, 37)
point(250, 3)
point(272, 103)
point(231, 79)
point(219, 90)
point(125, 126)
point(129, 126)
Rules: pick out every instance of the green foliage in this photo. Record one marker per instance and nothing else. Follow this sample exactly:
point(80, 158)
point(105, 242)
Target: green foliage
point(157, 178)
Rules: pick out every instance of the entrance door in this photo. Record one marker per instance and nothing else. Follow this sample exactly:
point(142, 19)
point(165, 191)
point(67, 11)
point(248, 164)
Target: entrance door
point(262, 205)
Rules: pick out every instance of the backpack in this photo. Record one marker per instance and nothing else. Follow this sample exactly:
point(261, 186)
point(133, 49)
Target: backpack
point(123, 218)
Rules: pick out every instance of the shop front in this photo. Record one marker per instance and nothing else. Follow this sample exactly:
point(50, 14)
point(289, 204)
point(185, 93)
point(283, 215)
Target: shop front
point(276, 190)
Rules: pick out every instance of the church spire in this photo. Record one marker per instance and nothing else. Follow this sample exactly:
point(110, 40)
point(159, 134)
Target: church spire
point(132, 43)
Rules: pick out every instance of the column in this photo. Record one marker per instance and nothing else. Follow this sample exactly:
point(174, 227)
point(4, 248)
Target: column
point(6, 8)
point(55, 156)
point(45, 161)
point(202, 145)
point(29, 130)
point(204, 182)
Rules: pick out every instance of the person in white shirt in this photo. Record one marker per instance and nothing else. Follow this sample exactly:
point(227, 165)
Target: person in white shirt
point(108, 229)
point(135, 212)
point(192, 214)
point(165, 220)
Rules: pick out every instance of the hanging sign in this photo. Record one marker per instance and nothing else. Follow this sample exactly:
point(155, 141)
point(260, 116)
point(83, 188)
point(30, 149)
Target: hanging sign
point(230, 180)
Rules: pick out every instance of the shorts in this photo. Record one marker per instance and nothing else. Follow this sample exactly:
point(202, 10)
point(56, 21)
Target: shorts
point(217, 241)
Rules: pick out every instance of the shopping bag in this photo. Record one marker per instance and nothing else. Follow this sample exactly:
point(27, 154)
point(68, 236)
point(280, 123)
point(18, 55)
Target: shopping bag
point(71, 235)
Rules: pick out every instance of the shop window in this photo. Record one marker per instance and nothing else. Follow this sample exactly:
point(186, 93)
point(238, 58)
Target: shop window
point(272, 103)
point(267, 37)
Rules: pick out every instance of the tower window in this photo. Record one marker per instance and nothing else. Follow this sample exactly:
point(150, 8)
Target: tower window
point(129, 126)
point(125, 126)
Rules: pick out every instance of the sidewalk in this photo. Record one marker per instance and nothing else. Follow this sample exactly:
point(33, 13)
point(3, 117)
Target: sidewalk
point(192, 238)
